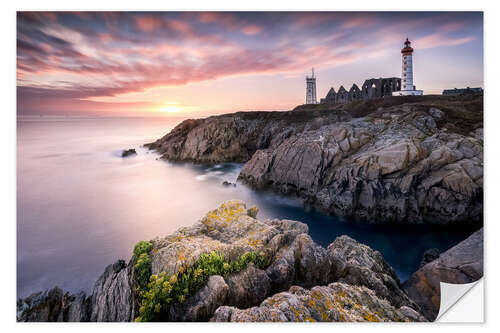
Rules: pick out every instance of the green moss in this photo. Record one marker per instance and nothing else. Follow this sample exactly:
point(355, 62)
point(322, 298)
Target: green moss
point(163, 290)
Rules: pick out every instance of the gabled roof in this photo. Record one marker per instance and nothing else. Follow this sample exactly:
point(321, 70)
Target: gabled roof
point(342, 90)
point(354, 88)
point(331, 93)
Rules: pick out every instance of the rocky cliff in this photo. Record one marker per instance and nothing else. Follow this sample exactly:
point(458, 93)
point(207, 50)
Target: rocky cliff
point(231, 266)
point(409, 160)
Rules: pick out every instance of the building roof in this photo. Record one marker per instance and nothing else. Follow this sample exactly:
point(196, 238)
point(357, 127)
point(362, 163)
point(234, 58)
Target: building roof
point(331, 93)
point(354, 87)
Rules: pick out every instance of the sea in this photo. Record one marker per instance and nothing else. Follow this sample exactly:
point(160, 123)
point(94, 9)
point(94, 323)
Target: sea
point(81, 206)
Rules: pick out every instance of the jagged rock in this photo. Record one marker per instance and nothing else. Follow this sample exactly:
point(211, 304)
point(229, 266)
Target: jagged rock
point(399, 161)
point(113, 294)
point(399, 168)
point(358, 264)
point(335, 302)
point(234, 137)
point(53, 305)
point(428, 256)
point(253, 211)
point(436, 113)
point(227, 184)
point(76, 308)
point(303, 262)
point(229, 229)
point(295, 258)
point(202, 305)
point(293, 262)
point(248, 287)
point(463, 263)
point(128, 152)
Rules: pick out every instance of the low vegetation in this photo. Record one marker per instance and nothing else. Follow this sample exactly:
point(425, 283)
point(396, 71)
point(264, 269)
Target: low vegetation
point(161, 291)
point(142, 263)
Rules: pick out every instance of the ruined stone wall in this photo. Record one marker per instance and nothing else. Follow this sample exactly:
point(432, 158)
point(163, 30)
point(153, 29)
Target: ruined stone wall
point(371, 88)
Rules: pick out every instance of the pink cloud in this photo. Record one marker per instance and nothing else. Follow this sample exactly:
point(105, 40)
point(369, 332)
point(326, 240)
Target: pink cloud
point(230, 22)
point(451, 26)
point(148, 23)
point(359, 21)
point(251, 29)
point(440, 40)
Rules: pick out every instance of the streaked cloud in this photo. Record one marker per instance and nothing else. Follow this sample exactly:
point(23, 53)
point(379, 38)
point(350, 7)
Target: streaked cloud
point(66, 56)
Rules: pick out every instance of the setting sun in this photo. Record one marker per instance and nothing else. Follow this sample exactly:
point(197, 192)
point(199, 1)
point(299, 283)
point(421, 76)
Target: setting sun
point(171, 108)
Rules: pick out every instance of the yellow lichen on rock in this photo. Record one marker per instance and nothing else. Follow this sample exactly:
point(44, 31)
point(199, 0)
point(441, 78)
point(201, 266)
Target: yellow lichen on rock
point(226, 213)
point(370, 317)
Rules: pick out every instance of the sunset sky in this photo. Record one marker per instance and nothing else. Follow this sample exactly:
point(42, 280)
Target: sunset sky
point(200, 63)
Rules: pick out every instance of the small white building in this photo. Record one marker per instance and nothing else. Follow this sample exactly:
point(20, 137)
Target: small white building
point(407, 87)
point(311, 89)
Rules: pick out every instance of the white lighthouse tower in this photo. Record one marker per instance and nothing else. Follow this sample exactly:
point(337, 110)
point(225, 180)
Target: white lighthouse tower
point(407, 87)
point(311, 89)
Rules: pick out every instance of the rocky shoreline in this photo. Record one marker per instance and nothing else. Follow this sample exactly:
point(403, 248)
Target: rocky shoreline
point(231, 266)
point(400, 160)
point(404, 160)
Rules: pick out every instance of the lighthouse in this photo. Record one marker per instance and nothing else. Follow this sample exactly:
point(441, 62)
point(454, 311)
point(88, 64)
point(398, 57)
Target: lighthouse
point(311, 89)
point(407, 87)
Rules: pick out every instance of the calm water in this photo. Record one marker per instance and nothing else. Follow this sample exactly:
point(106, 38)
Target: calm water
point(80, 206)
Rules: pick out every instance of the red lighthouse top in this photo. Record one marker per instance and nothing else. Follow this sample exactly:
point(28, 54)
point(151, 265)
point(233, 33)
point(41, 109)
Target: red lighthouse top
point(407, 49)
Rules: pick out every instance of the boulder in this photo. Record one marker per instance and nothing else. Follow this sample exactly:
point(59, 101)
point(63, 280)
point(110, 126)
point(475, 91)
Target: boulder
point(428, 256)
point(202, 305)
point(248, 287)
point(463, 263)
point(227, 184)
point(357, 264)
point(128, 152)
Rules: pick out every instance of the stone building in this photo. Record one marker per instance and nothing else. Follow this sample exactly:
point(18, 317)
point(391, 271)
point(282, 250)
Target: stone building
point(371, 88)
point(462, 91)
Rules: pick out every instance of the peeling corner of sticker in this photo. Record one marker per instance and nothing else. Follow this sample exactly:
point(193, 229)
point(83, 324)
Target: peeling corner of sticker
point(451, 295)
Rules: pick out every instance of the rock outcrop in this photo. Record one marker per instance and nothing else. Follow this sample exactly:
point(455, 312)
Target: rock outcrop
point(428, 256)
point(358, 264)
point(236, 137)
point(335, 302)
point(113, 294)
point(54, 305)
point(462, 263)
point(129, 152)
point(418, 162)
point(389, 166)
point(346, 282)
